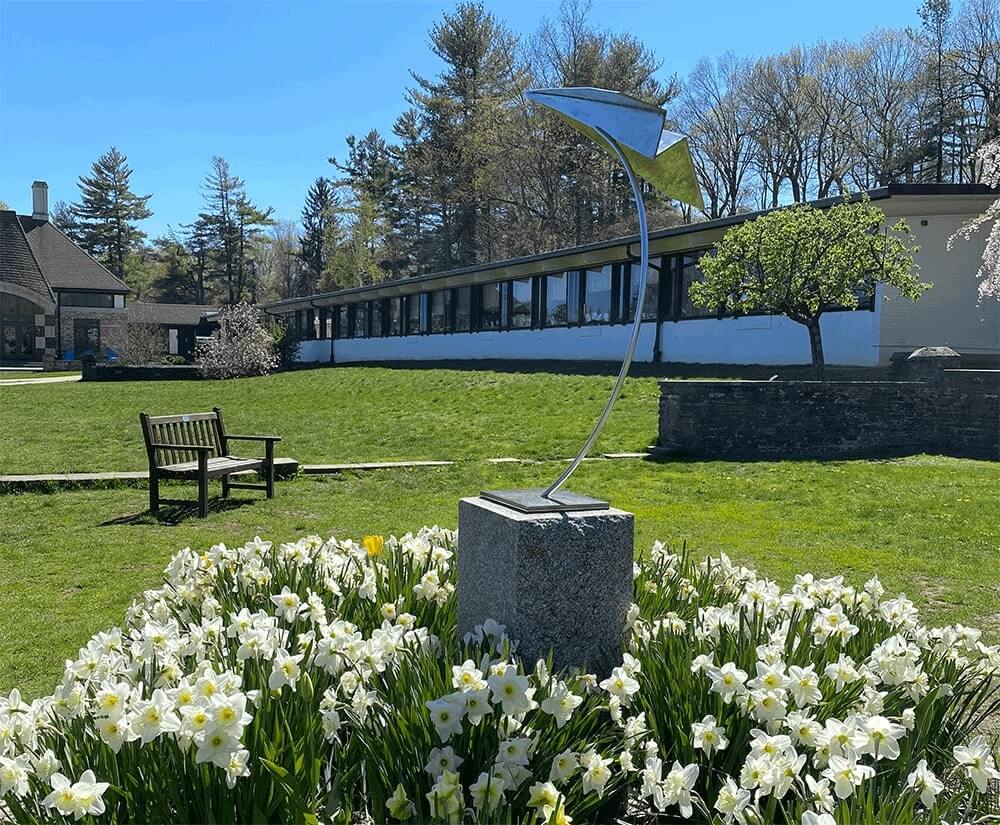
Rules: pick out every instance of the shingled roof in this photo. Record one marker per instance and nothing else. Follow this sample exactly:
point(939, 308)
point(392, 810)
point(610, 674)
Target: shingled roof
point(63, 264)
point(17, 262)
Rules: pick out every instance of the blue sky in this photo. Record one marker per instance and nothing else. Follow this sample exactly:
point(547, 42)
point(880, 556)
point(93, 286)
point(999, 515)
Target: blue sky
point(275, 87)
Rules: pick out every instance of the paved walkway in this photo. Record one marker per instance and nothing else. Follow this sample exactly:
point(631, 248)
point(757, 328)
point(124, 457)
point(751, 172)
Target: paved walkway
point(55, 379)
point(283, 467)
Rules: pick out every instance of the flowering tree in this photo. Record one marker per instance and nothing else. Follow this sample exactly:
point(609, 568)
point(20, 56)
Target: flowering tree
point(243, 346)
point(989, 272)
point(803, 261)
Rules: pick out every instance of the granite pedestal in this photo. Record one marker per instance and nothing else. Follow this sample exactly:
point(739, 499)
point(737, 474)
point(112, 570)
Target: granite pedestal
point(558, 581)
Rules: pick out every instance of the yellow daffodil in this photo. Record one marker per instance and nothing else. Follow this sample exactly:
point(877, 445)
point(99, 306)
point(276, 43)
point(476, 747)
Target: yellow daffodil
point(374, 545)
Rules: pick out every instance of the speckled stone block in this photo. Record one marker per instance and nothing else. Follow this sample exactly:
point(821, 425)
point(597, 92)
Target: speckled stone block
point(558, 581)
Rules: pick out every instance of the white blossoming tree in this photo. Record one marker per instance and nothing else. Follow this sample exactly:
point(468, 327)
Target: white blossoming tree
point(989, 272)
point(243, 346)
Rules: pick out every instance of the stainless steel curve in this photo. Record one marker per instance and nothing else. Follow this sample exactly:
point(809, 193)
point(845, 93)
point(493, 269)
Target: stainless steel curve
point(636, 323)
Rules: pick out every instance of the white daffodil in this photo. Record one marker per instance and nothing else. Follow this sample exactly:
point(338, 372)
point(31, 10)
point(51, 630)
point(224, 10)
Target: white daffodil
point(977, 761)
point(447, 717)
point(467, 677)
point(399, 805)
point(881, 738)
point(445, 798)
point(285, 670)
point(46, 764)
point(510, 691)
point(441, 760)
point(82, 798)
point(487, 792)
point(154, 716)
point(708, 736)
point(621, 684)
point(728, 681)
point(543, 797)
point(217, 747)
point(563, 767)
point(925, 783)
point(238, 767)
point(14, 775)
point(596, 772)
point(822, 797)
point(516, 751)
point(803, 684)
point(229, 713)
point(476, 705)
point(561, 703)
point(732, 801)
point(846, 775)
point(677, 787)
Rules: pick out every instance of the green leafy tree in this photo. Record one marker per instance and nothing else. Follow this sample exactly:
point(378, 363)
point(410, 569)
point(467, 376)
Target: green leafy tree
point(802, 261)
point(108, 212)
point(356, 260)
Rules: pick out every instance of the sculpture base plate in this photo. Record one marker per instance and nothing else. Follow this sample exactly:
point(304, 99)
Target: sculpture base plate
point(533, 501)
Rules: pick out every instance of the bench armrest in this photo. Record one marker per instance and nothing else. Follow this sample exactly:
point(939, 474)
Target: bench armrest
point(198, 448)
point(271, 438)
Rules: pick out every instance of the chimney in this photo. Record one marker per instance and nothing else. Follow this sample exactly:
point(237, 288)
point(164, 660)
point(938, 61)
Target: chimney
point(40, 200)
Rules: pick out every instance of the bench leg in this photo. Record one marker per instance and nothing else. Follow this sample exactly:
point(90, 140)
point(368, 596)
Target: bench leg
point(225, 486)
point(269, 468)
point(154, 492)
point(202, 484)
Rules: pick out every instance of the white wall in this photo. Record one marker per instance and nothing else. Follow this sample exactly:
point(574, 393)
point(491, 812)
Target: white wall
point(849, 339)
point(949, 313)
point(312, 351)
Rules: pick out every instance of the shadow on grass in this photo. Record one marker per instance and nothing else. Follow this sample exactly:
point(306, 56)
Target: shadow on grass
point(174, 514)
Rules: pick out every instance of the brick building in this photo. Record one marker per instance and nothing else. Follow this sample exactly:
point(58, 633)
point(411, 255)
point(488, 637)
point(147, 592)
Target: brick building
point(56, 302)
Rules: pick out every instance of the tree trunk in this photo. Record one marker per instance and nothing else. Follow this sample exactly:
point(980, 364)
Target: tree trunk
point(816, 346)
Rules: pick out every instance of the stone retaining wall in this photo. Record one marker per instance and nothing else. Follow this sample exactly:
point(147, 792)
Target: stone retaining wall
point(956, 414)
point(153, 372)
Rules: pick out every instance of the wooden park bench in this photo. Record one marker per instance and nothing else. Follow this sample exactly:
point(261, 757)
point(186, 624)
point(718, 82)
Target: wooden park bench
point(196, 446)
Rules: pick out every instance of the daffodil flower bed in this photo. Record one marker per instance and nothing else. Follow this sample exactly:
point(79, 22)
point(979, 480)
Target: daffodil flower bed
point(323, 680)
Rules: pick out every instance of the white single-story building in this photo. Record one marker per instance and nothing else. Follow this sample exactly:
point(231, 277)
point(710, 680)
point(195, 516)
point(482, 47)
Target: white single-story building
point(578, 303)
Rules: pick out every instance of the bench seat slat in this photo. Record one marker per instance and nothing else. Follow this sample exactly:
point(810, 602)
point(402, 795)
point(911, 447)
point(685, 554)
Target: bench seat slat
point(217, 466)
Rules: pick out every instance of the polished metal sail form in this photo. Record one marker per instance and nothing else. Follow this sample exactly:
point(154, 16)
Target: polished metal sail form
point(635, 133)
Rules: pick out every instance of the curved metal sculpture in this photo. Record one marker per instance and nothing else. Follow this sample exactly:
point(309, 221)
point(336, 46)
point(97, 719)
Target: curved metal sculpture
point(633, 132)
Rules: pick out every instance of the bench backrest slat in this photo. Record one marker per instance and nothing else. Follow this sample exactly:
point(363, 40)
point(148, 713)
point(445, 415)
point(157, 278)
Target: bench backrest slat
point(195, 429)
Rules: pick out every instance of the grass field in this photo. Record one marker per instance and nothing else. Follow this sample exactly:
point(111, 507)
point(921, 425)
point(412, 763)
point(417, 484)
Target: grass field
point(74, 560)
point(331, 415)
point(71, 562)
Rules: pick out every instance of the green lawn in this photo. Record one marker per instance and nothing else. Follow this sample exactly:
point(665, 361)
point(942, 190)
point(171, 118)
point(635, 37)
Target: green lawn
point(345, 414)
point(72, 561)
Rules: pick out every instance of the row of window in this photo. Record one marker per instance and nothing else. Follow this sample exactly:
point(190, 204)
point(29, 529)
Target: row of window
point(605, 295)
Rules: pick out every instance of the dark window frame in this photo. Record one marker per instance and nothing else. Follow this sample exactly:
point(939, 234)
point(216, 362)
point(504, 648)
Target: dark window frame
point(86, 299)
point(79, 323)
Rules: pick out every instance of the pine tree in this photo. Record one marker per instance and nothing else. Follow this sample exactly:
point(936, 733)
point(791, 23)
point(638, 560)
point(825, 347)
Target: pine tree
point(467, 115)
point(64, 219)
point(319, 237)
point(229, 224)
point(109, 210)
